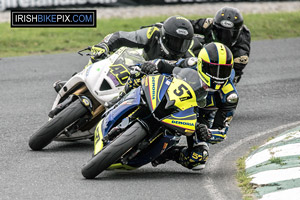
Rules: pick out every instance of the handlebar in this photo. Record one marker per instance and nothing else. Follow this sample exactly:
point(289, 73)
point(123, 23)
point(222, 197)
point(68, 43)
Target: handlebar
point(89, 54)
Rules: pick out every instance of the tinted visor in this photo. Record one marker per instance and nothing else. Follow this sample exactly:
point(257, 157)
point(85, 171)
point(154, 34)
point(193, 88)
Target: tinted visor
point(226, 36)
point(217, 71)
point(175, 44)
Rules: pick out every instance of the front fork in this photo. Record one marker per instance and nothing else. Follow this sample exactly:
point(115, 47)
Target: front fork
point(83, 99)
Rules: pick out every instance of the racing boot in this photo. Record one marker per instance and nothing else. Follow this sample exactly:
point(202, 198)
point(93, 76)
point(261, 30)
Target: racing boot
point(170, 154)
point(194, 158)
point(58, 85)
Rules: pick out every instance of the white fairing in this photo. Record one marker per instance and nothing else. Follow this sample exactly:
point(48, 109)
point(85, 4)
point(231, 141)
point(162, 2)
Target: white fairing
point(101, 75)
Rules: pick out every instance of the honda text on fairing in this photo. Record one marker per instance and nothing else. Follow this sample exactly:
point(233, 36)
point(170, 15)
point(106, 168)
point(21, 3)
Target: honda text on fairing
point(146, 122)
point(79, 104)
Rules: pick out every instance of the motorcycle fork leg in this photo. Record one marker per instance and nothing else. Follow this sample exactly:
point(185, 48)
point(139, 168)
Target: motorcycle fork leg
point(190, 143)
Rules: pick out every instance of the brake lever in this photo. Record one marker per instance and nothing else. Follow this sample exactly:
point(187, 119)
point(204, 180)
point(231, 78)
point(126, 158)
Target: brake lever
point(87, 54)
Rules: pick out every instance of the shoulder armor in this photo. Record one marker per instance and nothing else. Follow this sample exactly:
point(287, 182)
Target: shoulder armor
point(150, 31)
point(229, 93)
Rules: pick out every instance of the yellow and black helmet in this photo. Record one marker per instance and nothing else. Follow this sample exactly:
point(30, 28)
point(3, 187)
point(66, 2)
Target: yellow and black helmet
point(215, 62)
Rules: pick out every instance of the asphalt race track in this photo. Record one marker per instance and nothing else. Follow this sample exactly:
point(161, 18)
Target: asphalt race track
point(269, 98)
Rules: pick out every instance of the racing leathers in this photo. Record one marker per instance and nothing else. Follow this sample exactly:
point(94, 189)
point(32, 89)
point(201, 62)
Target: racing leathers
point(240, 49)
point(146, 38)
point(214, 116)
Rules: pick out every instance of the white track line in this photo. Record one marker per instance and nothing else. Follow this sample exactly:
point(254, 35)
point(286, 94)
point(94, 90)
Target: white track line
point(216, 161)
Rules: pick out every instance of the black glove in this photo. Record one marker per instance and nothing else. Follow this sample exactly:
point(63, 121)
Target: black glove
point(148, 68)
point(202, 132)
point(99, 51)
point(238, 76)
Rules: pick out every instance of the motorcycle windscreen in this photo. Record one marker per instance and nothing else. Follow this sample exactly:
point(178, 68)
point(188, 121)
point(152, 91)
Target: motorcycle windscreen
point(183, 121)
point(155, 87)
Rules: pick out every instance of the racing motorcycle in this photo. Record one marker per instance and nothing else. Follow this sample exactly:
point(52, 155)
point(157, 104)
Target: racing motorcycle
point(79, 104)
point(146, 122)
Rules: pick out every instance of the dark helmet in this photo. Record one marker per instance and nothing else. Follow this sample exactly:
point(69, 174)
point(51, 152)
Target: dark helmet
point(176, 36)
point(227, 25)
point(215, 63)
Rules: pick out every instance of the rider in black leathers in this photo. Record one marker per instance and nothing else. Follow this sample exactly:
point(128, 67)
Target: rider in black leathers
point(226, 27)
point(173, 40)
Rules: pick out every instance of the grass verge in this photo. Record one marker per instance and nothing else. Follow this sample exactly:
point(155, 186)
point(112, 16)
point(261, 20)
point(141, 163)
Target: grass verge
point(24, 41)
point(244, 179)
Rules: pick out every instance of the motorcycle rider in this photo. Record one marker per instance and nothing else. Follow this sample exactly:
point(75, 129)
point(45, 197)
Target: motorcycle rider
point(214, 65)
point(171, 41)
point(226, 27)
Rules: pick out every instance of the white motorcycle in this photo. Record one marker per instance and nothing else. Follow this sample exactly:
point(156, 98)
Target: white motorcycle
point(81, 102)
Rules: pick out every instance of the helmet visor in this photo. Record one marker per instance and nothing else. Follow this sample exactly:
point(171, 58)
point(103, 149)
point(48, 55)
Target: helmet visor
point(217, 71)
point(175, 44)
point(226, 36)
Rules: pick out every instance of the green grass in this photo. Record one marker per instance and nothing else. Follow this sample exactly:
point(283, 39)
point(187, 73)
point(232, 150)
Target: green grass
point(277, 160)
point(244, 180)
point(24, 41)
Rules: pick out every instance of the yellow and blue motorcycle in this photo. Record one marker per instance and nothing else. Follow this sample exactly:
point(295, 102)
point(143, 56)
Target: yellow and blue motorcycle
point(146, 122)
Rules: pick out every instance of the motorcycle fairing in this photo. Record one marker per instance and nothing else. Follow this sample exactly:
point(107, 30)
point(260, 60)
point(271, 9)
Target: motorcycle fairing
point(98, 136)
point(182, 94)
point(119, 74)
point(130, 101)
point(183, 121)
point(155, 149)
point(155, 86)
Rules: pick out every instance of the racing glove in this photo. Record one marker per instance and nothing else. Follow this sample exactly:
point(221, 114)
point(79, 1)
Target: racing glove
point(99, 51)
point(148, 68)
point(202, 132)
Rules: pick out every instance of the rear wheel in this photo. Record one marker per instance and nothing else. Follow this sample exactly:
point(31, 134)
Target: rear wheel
point(114, 151)
point(52, 128)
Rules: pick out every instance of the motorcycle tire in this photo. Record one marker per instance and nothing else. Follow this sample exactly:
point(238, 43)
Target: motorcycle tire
point(52, 128)
point(114, 151)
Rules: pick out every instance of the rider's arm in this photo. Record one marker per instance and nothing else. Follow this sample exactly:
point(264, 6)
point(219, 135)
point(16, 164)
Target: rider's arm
point(201, 26)
point(137, 39)
point(166, 66)
point(224, 114)
point(241, 52)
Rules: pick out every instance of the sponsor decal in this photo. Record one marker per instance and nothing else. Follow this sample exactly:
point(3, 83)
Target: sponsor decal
point(226, 23)
point(53, 18)
point(85, 102)
point(181, 31)
point(153, 88)
point(182, 123)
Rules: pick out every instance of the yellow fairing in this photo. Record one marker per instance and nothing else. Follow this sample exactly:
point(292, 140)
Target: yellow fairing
point(188, 125)
point(182, 93)
point(98, 143)
point(121, 166)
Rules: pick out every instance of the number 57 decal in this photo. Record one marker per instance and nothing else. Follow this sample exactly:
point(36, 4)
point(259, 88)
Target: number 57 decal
point(179, 92)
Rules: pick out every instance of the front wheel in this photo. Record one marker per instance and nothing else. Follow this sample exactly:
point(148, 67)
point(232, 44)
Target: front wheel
point(114, 151)
point(52, 128)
